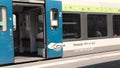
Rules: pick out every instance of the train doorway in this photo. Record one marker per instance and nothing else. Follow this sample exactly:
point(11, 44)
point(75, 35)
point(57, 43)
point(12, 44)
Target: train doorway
point(28, 20)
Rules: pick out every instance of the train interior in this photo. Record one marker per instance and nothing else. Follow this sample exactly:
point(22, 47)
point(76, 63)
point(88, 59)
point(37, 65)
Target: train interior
point(28, 20)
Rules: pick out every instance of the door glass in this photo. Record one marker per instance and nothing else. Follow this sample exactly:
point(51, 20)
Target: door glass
point(0, 14)
point(14, 22)
point(3, 19)
point(54, 18)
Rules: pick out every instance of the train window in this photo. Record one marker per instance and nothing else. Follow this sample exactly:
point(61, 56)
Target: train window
point(40, 27)
point(27, 23)
point(14, 22)
point(0, 14)
point(54, 18)
point(3, 19)
point(116, 25)
point(97, 25)
point(71, 26)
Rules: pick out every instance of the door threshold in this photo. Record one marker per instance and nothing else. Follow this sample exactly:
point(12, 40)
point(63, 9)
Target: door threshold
point(25, 59)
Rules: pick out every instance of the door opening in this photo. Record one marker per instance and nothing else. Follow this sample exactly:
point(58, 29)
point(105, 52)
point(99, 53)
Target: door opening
point(29, 33)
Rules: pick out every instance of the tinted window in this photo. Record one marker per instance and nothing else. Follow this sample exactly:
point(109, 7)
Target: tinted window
point(71, 25)
point(97, 25)
point(116, 24)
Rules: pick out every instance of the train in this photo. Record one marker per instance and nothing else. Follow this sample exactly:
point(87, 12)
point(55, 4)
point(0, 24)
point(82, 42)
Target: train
point(44, 29)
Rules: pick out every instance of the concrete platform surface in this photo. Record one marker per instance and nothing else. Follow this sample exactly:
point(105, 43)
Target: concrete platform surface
point(85, 61)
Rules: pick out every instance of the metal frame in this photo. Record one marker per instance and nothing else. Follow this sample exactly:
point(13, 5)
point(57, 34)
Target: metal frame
point(30, 1)
point(26, 4)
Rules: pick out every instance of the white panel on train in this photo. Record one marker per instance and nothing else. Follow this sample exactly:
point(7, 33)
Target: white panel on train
point(100, 3)
point(90, 44)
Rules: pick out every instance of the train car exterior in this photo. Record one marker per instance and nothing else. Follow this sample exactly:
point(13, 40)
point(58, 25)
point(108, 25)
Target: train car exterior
point(90, 26)
point(48, 29)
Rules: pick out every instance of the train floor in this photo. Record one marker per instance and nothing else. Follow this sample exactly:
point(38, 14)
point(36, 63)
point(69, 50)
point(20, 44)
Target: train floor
point(27, 57)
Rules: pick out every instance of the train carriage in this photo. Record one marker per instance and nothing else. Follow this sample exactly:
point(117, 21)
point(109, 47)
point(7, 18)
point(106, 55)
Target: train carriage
point(33, 30)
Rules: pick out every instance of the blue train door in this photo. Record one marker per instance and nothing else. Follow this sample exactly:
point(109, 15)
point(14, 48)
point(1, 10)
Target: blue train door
point(6, 32)
point(54, 29)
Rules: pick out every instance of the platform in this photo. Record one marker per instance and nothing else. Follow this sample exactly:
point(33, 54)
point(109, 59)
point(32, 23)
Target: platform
point(72, 62)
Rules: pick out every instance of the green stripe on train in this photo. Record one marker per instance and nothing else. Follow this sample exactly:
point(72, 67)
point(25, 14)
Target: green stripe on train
point(76, 8)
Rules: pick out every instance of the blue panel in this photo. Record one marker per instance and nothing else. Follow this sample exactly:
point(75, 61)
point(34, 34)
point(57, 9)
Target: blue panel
point(54, 37)
point(6, 41)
